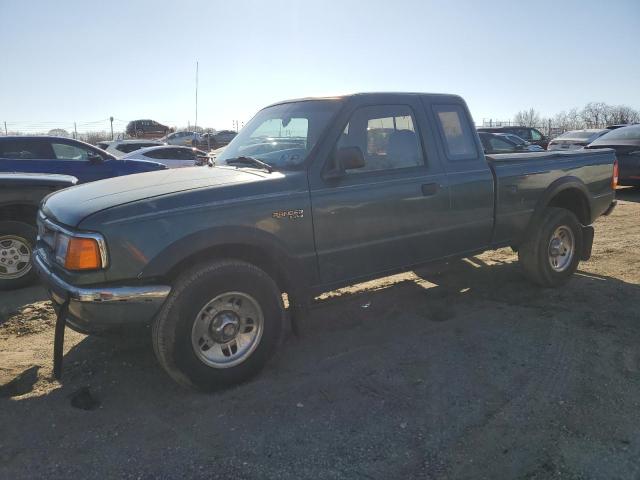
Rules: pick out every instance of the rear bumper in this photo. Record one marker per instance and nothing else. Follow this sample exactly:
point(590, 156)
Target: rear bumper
point(99, 308)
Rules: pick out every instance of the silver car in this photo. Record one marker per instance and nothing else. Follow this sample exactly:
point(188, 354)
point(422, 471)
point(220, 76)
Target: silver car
point(576, 139)
point(185, 139)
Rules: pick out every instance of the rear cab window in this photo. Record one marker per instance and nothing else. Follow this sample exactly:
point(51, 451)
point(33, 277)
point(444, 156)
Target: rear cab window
point(455, 132)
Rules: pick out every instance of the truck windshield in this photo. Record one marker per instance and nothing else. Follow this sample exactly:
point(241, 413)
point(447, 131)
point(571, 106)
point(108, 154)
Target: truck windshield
point(282, 135)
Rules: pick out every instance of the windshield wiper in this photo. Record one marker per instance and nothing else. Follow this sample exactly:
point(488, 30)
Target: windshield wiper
point(250, 161)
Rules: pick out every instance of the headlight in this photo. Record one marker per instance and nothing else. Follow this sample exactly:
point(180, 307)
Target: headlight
point(80, 253)
point(62, 244)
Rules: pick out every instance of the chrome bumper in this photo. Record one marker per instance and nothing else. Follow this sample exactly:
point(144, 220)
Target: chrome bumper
point(99, 308)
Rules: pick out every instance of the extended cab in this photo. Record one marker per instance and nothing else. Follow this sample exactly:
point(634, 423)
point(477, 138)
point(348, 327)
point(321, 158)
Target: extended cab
point(315, 194)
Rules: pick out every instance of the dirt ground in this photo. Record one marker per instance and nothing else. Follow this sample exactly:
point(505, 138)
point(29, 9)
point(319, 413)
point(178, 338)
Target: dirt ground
point(460, 372)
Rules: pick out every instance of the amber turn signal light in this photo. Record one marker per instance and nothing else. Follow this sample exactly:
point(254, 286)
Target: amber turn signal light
point(614, 179)
point(83, 254)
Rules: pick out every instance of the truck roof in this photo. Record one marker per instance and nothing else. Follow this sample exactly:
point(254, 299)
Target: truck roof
point(372, 95)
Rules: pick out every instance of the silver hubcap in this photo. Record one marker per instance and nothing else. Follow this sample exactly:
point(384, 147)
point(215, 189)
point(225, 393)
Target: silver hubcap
point(227, 329)
point(561, 248)
point(15, 257)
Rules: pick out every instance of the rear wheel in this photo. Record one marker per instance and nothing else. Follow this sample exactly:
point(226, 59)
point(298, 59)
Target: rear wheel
point(16, 245)
point(552, 254)
point(219, 326)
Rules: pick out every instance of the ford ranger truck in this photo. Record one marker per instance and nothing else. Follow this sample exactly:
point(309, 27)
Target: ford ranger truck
point(314, 194)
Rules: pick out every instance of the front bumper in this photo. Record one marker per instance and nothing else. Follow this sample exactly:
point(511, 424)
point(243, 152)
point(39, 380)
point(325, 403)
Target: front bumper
point(97, 309)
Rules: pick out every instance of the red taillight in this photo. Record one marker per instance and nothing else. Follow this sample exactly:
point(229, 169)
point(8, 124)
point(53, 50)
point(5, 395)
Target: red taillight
point(614, 179)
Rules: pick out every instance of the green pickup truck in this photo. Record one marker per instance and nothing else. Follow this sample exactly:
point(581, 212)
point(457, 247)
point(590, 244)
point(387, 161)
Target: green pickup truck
point(314, 194)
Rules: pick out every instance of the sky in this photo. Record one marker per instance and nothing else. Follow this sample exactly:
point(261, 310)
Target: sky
point(83, 61)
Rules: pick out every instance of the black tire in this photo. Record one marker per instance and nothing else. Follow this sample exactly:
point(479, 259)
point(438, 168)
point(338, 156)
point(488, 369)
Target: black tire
point(26, 233)
point(172, 327)
point(534, 253)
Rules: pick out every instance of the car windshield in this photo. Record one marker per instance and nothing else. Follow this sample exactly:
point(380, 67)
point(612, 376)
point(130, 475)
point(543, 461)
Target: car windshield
point(282, 135)
point(624, 133)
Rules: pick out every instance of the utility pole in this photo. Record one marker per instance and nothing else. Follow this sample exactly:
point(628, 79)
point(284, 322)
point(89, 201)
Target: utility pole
point(195, 129)
point(5, 129)
point(111, 120)
point(75, 130)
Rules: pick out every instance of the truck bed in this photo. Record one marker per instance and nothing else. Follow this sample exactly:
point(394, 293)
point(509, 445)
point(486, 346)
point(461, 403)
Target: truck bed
point(523, 180)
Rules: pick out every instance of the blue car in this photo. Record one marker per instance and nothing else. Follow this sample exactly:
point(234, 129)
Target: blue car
point(39, 154)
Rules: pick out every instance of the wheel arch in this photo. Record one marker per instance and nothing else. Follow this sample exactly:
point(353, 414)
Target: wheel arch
point(241, 243)
point(19, 213)
point(569, 193)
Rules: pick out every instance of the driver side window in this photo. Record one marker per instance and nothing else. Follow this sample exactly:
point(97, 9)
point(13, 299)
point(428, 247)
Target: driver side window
point(385, 135)
point(65, 151)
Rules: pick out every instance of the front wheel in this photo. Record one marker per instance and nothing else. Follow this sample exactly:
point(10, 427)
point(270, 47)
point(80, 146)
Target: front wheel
point(551, 256)
point(16, 245)
point(219, 326)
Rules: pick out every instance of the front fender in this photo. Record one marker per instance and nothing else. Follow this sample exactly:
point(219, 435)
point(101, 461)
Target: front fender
point(240, 239)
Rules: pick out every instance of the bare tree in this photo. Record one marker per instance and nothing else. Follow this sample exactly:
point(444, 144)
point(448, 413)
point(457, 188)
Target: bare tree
point(570, 120)
point(58, 132)
point(623, 114)
point(527, 118)
point(95, 137)
point(595, 114)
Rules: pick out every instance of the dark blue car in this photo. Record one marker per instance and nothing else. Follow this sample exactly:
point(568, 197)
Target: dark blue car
point(39, 154)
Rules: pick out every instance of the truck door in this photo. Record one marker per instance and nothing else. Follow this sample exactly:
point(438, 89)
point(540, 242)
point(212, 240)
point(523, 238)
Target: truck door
point(384, 215)
point(470, 180)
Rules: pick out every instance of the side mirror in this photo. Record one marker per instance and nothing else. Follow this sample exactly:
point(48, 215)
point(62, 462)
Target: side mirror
point(346, 158)
point(349, 158)
point(94, 158)
point(520, 148)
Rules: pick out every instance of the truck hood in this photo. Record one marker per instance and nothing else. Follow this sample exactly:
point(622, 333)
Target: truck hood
point(72, 205)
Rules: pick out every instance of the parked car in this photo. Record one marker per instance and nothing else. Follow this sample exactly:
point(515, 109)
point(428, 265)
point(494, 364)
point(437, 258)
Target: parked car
point(626, 143)
point(530, 147)
point(119, 148)
point(146, 129)
point(218, 139)
point(188, 139)
point(171, 156)
point(204, 255)
point(530, 134)
point(576, 139)
point(20, 195)
point(66, 156)
point(104, 144)
point(496, 143)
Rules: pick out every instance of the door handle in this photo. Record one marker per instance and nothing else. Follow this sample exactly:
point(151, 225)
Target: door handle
point(429, 189)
